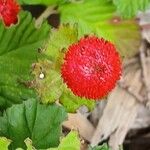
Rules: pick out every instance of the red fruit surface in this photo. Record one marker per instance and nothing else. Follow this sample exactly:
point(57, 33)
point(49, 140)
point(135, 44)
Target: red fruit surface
point(9, 10)
point(91, 67)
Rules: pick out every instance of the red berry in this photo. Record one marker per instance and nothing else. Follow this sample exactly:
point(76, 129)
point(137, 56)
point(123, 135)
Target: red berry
point(9, 10)
point(91, 67)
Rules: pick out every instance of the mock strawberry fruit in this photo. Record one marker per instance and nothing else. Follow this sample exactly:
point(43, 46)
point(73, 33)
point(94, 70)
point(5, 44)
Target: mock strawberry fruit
point(91, 67)
point(9, 10)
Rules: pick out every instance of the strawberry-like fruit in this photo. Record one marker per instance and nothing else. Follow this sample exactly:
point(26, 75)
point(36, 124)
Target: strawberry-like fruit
point(91, 67)
point(9, 10)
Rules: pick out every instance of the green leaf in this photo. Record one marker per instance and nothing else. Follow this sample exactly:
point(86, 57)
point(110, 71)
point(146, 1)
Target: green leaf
point(41, 2)
point(99, 17)
point(70, 142)
point(41, 123)
point(130, 8)
point(101, 147)
point(4, 143)
point(18, 51)
point(72, 102)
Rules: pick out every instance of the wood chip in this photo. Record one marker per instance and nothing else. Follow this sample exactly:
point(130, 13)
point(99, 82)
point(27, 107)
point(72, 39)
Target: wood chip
point(81, 124)
point(119, 111)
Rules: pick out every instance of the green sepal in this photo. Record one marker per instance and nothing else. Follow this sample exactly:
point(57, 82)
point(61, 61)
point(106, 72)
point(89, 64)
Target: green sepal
point(60, 40)
point(72, 102)
point(47, 81)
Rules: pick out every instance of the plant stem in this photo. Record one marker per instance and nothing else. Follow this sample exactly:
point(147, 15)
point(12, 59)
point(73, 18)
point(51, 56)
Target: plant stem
point(48, 11)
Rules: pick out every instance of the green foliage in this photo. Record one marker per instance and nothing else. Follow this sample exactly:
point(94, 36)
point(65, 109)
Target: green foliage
point(41, 123)
point(4, 143)
point(101, 147)
point(70, 142)
point(18, 51)
point(129, 8)
point(98, 17)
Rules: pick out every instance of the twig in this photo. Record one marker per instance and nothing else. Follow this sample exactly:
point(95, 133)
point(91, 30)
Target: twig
point(48, 11)
point(131, 61)
point(80, 123)
point(143, 63)
point(143, 59)
point(138, 97)
point(148, 52)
